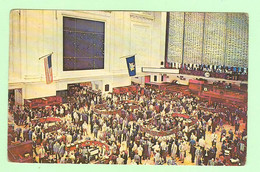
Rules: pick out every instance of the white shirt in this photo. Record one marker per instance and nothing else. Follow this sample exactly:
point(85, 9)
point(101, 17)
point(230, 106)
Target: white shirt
point(61, 111)
point(120, 160)
point(156, 147)
point(41, 152)
point(85, 126)
point(214, 137)
point(202, 142)
point(163, 145)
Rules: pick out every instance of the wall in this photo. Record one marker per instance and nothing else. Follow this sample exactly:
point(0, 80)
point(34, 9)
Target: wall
point(34, 33)
point(175, 36)
point(237, 29)
point(208, 38)
point(214, 39)
point(193, 37)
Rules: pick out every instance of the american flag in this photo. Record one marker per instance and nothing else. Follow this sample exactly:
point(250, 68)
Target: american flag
point(48, 69)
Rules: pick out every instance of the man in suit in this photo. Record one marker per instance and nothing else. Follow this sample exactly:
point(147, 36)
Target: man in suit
point(211, 162)
point(41, 153)
point(206, 156)
point(124, 156)
point(171, 161)
point(62, 149)
point(137, 158)
point(56, 148)
point(192, 149)
point(198, 155)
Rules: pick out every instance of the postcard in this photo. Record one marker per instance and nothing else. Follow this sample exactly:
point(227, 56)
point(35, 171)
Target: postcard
point(128, 87)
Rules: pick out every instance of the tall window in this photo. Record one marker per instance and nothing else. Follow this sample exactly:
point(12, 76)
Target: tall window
point(83, 44)
point(155, 78)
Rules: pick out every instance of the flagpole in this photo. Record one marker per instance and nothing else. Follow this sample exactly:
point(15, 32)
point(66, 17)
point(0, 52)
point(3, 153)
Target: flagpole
point(127, 56)
point(45, 55)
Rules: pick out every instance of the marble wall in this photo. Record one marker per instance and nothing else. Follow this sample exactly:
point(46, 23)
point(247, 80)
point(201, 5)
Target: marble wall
point(34, 33)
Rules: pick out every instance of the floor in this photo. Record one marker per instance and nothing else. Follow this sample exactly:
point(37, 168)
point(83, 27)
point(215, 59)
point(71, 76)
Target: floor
point(187, 160)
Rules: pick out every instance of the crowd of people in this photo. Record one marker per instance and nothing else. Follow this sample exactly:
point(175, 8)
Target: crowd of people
point(216, 71)
point(211, 68)
point(121, 129)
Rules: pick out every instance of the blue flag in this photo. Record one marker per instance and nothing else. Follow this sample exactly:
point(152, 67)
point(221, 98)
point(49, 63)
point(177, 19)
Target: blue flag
point(131, 65)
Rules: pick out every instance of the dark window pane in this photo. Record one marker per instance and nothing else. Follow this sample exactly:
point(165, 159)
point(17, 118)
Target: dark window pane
point(99, 63)
point(98, 42)
point(100, 27)
point(69, 39)
point(69, 23)
point(107, 87)
point(84, 63)
point(83, 44)
point(89, 26)
point(68, 63)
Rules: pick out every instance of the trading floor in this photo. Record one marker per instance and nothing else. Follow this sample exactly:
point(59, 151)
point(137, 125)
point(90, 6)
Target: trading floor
point(133, 126)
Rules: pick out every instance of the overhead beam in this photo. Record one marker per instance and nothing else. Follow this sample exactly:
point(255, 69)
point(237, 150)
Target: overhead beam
point(160, 70)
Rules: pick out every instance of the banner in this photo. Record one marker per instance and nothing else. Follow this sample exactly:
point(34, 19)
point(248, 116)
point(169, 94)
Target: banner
point(131, 65)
